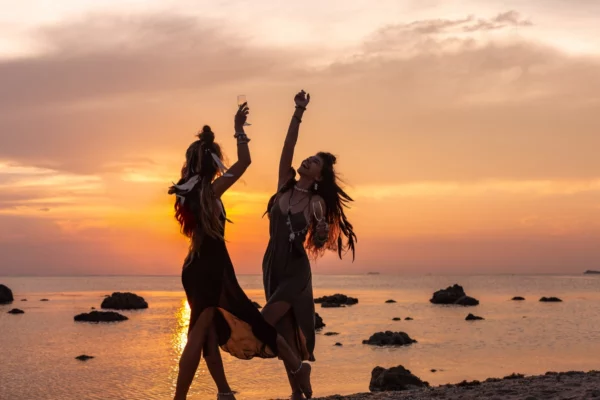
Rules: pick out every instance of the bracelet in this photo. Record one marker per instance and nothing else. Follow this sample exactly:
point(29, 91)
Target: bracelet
point(301, 107)
point(298, 119)
point(241, 137)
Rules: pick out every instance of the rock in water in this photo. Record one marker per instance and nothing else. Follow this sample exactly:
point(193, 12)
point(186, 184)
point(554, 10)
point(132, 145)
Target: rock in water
point(453, 295)
point(331, 333)
point(389, 338)
point(518, 298)
point(84, 357)
point(100, 316)
point(472, 317)
point(394, 379)
point(550, 299)
point(255, 304)
point(337, 300)
point(44, 300)
point(390, 301)
point(6, 295)
point(396, 319)
point(408, 319)
point(319, 324)
point(338, 344)
point(124, 301)
point(16, 311)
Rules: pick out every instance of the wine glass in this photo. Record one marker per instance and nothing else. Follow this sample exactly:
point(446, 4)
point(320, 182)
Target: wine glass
point(241, 99)
point(317, 210)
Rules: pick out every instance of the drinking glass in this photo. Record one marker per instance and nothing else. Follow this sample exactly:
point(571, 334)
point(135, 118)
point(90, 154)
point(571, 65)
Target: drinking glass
point(241, 99)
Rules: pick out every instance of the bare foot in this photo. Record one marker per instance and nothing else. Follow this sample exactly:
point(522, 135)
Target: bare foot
point(303, 379)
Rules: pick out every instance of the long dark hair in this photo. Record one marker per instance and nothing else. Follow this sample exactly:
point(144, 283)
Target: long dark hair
point(336, 200)
point(196, 213)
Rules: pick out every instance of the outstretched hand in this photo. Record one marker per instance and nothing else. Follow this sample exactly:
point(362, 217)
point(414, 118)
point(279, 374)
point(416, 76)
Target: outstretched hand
point(240, 117)
point(302, 99)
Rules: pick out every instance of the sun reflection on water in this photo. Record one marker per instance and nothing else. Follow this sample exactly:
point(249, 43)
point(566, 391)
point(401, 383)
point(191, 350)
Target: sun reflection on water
point(183, 321)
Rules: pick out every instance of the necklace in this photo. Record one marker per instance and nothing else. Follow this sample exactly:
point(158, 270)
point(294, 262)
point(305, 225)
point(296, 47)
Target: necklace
point(301, 190)
point(294, 233)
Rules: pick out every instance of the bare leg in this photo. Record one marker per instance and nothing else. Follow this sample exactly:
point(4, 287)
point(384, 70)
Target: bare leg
point(214, 362)
point(190, 357)
point(300, 372)
point(288, 331)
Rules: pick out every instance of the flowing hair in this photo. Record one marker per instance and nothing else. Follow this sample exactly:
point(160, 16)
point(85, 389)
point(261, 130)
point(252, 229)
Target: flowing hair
point(341, 238)
point(195, 208)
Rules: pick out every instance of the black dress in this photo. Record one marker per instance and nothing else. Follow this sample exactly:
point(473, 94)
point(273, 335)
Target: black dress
point(209, 281)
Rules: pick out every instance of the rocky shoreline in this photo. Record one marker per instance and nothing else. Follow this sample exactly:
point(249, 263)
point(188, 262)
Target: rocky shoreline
point(572, 385)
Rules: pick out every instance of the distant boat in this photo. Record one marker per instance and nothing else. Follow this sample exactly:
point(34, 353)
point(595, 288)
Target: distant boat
point(590, 272)
point(372, 273)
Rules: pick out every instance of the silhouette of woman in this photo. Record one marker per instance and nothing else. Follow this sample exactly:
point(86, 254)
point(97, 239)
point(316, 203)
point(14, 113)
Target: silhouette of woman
point(306, 218)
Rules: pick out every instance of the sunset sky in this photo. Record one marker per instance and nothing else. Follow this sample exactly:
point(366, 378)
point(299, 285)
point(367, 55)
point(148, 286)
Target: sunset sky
point(467, 131)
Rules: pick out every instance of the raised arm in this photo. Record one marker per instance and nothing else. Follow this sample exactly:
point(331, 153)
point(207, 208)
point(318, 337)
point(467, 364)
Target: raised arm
point(287, 154)
point(224, 182)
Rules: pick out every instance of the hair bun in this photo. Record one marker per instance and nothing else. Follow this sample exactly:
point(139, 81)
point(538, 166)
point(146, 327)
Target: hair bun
point(206, 136)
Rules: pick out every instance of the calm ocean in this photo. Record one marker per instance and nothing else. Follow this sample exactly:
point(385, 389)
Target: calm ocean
point(137, 359)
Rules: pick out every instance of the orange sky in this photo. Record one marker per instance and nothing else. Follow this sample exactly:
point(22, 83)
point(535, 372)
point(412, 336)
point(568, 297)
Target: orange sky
point(467, 132)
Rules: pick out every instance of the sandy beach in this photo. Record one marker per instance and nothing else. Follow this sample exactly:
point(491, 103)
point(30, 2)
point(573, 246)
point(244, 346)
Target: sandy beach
point(564, 385)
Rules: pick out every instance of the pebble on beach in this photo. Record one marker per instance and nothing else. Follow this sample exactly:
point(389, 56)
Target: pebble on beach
point(550, 300)
point(16, 311)
point(84, 357)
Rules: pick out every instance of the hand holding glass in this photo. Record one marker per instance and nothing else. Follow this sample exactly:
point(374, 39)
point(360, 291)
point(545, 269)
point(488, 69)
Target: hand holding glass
point(241, 99)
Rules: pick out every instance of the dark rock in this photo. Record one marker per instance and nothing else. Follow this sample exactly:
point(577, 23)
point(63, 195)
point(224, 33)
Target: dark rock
point(319, 324)
point(408, 319)
point(6, 295)
point(396, 319)
point(92, 308)
point(44, 300)
point(389, 338)
point(518, 298)
point(84, 357)
point(467, 384)
point(472, 317)
point(394, 379)
point(255, 304)
point(434, 370)
point(493, 380)
point(338, 344)
point(591, 272)
point(390, 301)
point(16, 311)
point(23, 299)
point(550, 299)
point(453, 295)
point(100, 316)
point(331, 333)
point(124, 301)
point(332, 305)
point(514, 376)
point(336, 300)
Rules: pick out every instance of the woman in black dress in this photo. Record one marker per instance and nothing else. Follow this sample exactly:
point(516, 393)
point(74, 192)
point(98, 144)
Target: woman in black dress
point(306, 218)
point(221, 313)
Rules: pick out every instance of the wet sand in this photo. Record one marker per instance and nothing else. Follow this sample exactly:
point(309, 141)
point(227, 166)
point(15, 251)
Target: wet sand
point(564, 385)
